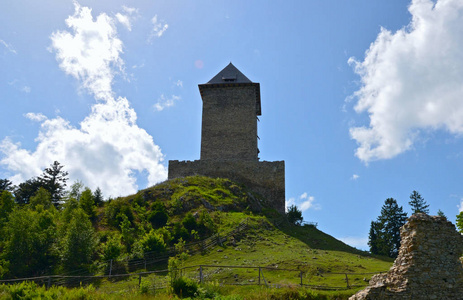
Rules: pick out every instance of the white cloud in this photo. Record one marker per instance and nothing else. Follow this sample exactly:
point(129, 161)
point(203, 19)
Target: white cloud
point(179, 83)
point(460, 207)
point(91, 53)
point(303, 202)
point(35, 117)
point(411, 81)
point(357, 242)
point(159, 27)
point(129, 15)
point(124, 20)
point(355, 177)
point(107, 147)
point(8, 47)
point(26, 89)
point(164, 102)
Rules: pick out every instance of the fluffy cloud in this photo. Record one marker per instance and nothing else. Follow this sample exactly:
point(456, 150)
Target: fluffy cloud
point(411, 81)
point(91, 52)
point(164, 102)
point(107, 148)
point(355, 177)
point(303, 202)
point(127, 17)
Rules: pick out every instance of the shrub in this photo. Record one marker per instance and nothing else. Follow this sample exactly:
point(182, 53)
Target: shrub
point(184, 287)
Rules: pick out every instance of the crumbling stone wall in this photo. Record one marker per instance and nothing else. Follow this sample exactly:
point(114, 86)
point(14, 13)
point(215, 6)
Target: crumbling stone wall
point(263, 177)
point(428, 265)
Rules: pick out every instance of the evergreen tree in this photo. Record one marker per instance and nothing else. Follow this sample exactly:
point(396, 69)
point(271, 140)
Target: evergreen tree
point(440, 213)
point(418, 203)
point(98, 197)
point(54, 180)
point(294, 215)
point(384, 236)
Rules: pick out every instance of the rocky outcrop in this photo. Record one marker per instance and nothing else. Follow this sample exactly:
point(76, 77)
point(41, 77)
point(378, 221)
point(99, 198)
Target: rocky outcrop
point(428, 265)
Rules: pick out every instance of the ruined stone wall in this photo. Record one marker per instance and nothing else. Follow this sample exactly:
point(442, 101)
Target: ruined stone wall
point(265, 178)
point(229, 123)
point(428, 265)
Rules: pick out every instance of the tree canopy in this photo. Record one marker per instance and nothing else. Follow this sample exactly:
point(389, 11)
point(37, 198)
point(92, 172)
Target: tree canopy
point(418, 204)
point(384, 237)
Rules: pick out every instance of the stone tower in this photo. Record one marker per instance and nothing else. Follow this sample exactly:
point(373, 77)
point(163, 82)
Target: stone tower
point(231, 105)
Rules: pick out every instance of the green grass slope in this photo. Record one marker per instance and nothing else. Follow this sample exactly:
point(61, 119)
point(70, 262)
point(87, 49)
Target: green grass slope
point(267, 241)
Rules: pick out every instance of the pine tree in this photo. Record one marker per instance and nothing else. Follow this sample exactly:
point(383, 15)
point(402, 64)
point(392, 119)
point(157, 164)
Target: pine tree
point(54, 180)
point(384, 236)
point(418, 203)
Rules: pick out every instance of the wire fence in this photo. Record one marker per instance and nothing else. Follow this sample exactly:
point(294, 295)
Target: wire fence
point(118, 276)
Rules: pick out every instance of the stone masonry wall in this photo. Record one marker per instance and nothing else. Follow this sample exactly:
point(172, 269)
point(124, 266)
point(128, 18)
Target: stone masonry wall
point(229, 123)
point(428, 265)
point(265, 178)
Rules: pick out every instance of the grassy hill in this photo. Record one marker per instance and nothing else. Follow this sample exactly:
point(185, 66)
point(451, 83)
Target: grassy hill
point(267, 241)
point(231, 240)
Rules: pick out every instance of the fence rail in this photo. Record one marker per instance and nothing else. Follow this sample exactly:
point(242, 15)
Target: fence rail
point(224, 274)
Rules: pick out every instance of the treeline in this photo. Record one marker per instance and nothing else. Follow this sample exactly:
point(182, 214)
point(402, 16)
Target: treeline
point(47, 229)
point(384, 237)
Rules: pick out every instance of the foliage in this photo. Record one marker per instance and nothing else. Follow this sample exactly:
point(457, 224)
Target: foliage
point(384, 238)
point(30, 252)
point(440, 213)
point(294, 215)
point(98, 196)
point(459, 222)
point(112, 249)
point(152, 242)
point(42, 197)
point(418, 204)
point(78, 243)
point(54, 180)
point(87, 203)
point(184, 287)
point(6, 205)
point(6, 185)
point(26, 190)
point(158, 216)
point(189, 222)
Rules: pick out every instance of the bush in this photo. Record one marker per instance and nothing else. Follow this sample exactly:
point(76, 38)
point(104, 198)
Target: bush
point(184, 287)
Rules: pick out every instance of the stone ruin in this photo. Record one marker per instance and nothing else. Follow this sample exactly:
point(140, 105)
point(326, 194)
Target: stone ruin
point(428, 265)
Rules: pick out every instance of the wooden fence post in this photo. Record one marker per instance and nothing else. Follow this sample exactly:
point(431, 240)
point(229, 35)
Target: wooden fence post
point(200, 274)
point(347, 281)
point(259, 276)
point(110, 267)
point(301, 278)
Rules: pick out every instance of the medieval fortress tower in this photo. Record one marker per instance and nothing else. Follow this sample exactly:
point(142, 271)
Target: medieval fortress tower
point(231, 106)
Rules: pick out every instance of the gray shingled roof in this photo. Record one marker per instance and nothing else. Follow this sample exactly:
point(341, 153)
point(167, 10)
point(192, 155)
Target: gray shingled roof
point(230, 74)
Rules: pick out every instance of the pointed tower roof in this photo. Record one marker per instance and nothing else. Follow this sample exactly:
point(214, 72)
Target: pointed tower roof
point(230, 76)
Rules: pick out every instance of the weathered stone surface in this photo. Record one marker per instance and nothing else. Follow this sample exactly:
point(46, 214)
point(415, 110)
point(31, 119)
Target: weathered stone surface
point(265, 178)
point(428, 265)
point(231, 104)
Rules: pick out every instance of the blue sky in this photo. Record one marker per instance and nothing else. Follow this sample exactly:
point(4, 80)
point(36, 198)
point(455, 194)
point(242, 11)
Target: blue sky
point(362, 99)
